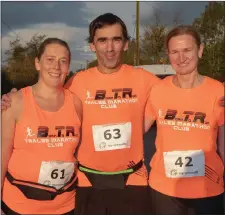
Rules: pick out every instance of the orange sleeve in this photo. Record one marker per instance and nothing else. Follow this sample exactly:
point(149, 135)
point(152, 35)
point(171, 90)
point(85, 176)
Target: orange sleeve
point(74, 85)
point(149, 81)
point(150, 112)
point(218, 109)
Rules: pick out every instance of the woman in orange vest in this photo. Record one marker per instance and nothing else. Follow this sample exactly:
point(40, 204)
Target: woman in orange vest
point(40, 132)
point(188, 166)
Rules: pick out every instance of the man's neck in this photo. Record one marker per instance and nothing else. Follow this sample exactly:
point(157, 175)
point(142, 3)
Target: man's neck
point(104, 70)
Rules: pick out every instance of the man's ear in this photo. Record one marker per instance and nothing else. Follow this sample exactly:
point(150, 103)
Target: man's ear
point(126, 45)
point(92, 47)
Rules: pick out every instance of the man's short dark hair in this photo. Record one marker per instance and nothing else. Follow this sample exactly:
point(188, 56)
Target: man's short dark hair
point(104, 20)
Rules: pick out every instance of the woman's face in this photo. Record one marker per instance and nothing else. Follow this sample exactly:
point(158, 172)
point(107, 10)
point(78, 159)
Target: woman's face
point(184, 54)
point(53, 65)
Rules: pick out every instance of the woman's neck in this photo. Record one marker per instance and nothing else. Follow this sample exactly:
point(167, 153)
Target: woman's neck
point(42, 90)
point(188, 81)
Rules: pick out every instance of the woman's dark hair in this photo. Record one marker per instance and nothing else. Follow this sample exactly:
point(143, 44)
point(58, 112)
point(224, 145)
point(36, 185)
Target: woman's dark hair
point(104, 20)
point(182, 30)
point(49, 41)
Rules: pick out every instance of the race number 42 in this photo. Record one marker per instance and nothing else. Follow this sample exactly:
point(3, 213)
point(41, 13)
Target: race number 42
point(184, 164)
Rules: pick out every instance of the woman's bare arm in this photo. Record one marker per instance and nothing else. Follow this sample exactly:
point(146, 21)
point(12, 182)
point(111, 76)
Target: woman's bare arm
point(79, 108)
point(9, 118)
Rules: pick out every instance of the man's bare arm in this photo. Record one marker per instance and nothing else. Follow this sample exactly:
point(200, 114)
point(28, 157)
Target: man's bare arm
point(148, 123)
point(6, 99)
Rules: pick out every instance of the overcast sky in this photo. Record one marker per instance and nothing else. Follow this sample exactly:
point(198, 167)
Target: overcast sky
point(70, 20)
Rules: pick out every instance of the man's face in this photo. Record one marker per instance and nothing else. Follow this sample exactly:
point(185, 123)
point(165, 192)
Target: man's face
point(109, 44)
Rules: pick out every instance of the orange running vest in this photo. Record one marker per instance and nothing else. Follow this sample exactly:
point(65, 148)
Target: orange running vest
point(44, 147)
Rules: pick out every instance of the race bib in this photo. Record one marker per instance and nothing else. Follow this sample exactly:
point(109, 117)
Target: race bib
point(55, 173)
point(184, 164)
point(112, 137)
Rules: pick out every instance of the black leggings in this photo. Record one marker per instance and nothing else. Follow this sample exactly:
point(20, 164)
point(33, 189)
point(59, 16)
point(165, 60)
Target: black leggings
point(8, 211)
point(132, 200)
point(168, 205)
